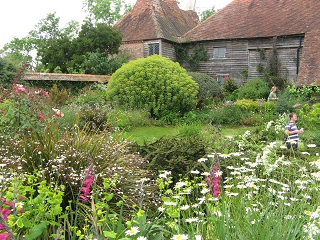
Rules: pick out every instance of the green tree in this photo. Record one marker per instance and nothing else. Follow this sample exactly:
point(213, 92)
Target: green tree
point(106, 11)
point(7, 72)
point(206, 13)
point(54, 53)
point(156, 84)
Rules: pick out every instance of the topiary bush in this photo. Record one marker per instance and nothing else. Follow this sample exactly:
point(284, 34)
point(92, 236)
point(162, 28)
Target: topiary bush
point(254, 89)
point(208, 87)
point(156, 84)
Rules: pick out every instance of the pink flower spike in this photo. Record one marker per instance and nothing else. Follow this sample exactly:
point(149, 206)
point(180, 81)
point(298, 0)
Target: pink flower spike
point(82, 198)
point(4, 236)
point(86, 191)
point(46, 94)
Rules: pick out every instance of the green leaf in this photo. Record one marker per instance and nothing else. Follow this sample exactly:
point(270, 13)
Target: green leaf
point(36, 231)
point(110, 234)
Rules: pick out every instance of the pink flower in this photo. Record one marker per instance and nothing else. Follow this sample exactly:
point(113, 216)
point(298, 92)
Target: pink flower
point(214, 181)
point(86, 191)
point(5, 213)
point(41, 117)
point(86, 186)
point(83, 198)
point(11, 204)
point(19, 88)
point(37, 92)
point(46, 94)
point(4, 236)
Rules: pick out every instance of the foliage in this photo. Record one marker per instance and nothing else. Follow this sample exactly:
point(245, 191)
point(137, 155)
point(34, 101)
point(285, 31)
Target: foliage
point(254, 89)
point(229, 85)
point(34, 207)
point(106, 11)
point(58, 97)
point(99, 63)
point(154, 83)
point(23, 111)
point(7, 72)
point(287, 102)
point(227, 115)
point(248, 105)
point(198, 54)
point(175, 154)
point(206, 13)
point(208, 87)
point(93, 41)
point(309, 117)
point(304, 92)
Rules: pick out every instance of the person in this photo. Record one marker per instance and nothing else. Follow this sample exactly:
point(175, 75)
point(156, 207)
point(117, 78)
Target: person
point(272, 95)
point(293, 132)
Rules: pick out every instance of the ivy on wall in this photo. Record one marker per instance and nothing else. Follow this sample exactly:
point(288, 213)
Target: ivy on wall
point(198, 54)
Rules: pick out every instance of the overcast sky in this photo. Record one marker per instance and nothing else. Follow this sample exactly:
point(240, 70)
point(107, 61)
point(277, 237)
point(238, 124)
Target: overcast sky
point(18, 17)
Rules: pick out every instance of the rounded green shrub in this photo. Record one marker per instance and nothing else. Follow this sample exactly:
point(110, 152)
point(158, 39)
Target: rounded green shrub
point(208, 86)
point(254, 89)
point(156, 84)
point(248, 105)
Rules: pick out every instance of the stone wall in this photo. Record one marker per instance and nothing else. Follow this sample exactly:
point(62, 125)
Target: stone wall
point(34, 76)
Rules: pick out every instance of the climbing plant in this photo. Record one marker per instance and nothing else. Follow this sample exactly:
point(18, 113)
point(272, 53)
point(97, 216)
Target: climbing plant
point(197, 54)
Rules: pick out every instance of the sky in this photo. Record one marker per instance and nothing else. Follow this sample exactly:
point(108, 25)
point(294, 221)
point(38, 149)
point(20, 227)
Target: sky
point(18, 17)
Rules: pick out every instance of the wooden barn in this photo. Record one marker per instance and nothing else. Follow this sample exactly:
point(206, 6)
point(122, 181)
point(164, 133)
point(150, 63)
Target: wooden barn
point(240, 38)
point(244, 34)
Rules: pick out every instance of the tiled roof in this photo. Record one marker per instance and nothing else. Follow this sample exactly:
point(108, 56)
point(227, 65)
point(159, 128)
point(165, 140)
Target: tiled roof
point(154, 19)
point(267, 18)
point(259, 18)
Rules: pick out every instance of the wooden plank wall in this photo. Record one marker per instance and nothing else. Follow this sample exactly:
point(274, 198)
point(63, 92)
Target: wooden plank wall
point(244, 54)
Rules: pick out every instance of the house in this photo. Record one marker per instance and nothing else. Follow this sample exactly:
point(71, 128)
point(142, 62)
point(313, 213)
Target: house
point(152, 26)
point(243, 35)
point(240, 38)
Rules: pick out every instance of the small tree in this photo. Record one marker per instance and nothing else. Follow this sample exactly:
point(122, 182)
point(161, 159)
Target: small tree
point(154, 83)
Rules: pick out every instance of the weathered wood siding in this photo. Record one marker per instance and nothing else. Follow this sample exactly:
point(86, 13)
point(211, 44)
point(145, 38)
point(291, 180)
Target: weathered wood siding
point(165, 48)
point(245, 54)
point(288, 55)
point(236, 59)
point(168, 50)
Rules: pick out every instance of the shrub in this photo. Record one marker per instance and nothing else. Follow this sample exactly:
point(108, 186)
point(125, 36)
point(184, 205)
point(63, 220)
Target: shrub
point(248, 105)
point(254, 89)
point(58, 97)
point(227, 115)
point(177, 154)
point(208, 87)
point(229, 85)
point(156, 84)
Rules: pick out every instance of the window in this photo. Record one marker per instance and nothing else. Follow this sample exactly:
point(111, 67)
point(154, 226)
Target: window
point(153, 48)
point(219, 52)
point(221, 78)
